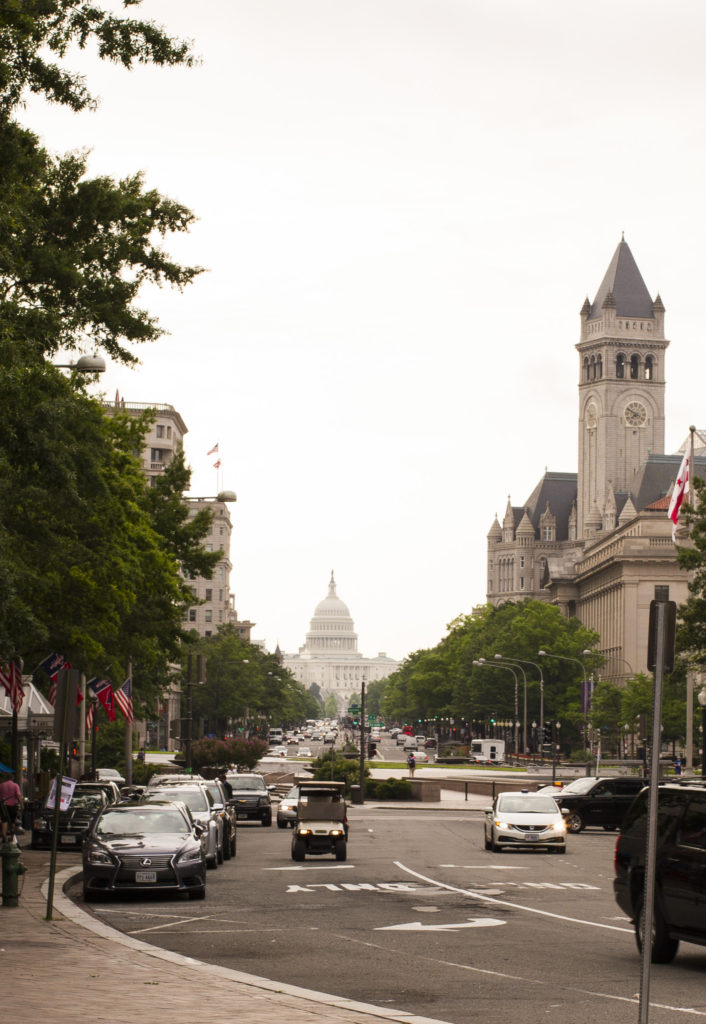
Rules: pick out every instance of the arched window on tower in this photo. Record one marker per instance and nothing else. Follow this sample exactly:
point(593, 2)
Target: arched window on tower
point(634, 367)
point(586, 369)
point(593, 367)
point(649, 368)
point(620, 366)
point(599, 366)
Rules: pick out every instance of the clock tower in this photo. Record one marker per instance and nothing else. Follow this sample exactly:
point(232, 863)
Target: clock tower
point(621, 390)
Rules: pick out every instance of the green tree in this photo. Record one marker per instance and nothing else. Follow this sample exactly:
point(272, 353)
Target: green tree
point(330, 706)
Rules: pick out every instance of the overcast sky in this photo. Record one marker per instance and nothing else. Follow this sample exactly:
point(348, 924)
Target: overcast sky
point(402, 206)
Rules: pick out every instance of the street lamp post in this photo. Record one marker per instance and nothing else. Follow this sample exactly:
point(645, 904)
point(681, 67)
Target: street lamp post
point(586, 702)
point(525, 661)
point(486, 664)
point(556, 726)
point(506, 663)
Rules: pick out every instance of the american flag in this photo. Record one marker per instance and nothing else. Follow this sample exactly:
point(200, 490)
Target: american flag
point(11, 679)
point(212, 451)
point(89, 717)
point(103, 690)
point(55, 680)
point(123, 698)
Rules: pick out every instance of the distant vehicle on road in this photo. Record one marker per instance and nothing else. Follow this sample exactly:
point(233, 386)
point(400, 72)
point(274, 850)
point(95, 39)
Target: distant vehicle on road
point(487, 751)
point(603, 802)
point(524, 819)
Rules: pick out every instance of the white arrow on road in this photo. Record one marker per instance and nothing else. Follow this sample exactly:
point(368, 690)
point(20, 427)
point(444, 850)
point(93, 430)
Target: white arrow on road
point(417, 926)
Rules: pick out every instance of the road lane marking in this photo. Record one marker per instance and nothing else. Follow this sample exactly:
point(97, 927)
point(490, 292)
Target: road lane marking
point(314, 867)
point(160, 927)
point(487, 867)
point(632, 1000)
point(506, 903)
point(418, 926)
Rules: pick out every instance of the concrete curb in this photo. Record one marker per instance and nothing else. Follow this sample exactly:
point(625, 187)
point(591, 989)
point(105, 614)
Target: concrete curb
point(70, 910)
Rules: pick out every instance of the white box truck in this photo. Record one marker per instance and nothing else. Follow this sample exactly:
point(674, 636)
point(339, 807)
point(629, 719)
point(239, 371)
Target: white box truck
point(487, 751)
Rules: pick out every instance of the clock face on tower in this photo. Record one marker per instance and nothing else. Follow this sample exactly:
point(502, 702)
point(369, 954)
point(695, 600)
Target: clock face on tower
point(635, 414)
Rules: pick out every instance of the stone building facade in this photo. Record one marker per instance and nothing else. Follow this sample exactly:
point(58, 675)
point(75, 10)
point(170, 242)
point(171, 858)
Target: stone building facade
point(598, 543)
point(330, 656)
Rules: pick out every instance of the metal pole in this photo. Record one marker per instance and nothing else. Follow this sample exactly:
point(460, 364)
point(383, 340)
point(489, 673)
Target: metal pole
point(650, 872)
point(64, 679)
point(361, 772)
point(189, 712)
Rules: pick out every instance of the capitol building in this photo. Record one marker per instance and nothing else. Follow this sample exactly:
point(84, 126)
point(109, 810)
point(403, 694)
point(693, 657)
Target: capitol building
point(330, 656)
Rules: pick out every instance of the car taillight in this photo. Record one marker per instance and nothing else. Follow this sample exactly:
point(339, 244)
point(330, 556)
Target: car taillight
point(615, 855)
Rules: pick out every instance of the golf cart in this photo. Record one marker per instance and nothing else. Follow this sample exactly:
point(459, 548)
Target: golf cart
point(322, 824)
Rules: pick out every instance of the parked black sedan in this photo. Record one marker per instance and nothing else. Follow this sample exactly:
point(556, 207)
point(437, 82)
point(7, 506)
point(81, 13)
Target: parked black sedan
point(145, 847)
point(602, 802)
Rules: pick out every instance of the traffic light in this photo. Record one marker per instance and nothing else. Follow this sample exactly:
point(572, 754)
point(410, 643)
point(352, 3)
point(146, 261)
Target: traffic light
point(492, 719)
point(548, 732)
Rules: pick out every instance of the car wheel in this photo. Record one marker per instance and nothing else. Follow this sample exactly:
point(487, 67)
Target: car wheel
point(198, 894)
point(341, 849)
point(227, 852)
point(212, 863)
point(575, 823)
point(233, 845)
point(91, 895)
point(281, 824)
point(493, 845)
point(486, 841)
point(220, 855)
point(664, 947)
point(267, 820)
point(558, 849)
point(298, 849)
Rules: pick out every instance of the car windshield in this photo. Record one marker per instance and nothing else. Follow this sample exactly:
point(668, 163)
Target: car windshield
point(293, 794)
point(195, 799)
point(245, 783)
point(508, 804)
point(141, 821)
point(579, 786)
point(86, 802)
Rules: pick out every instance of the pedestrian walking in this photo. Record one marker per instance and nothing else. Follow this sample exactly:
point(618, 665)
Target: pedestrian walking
point(12, 802)
point(411, 764)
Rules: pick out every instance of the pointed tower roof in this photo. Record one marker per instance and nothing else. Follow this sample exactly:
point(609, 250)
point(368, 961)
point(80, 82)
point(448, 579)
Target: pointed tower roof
point(623, 287)
point(525, 526)
point(495, 533)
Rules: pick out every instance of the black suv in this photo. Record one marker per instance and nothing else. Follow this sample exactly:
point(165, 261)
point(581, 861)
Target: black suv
point(602, 802)
point(680, 876)
point(251, 797)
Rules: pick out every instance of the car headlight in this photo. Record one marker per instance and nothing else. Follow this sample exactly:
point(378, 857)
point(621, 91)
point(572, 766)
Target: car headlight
point(336, 832)
point(501, 824)
point(304, 831)
point(559, 826)
point(41, 823)
point(98, 856)
point(263, 801)
point(190, 856)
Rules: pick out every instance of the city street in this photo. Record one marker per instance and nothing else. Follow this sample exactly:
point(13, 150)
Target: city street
point(421, 918)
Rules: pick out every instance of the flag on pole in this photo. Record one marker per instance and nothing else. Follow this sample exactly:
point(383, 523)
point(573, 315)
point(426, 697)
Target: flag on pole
point(103, 690)
point(89, 717)
point(11, 679)
point(123, 698)
point(680, 489)
point(52, 663)
point(55, 682)
point(217, 464)
point(213, 450)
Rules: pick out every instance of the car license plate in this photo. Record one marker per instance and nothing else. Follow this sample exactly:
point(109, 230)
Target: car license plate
point(242, 815)
point(145, 876)
point(532, 836)
point(68, 839)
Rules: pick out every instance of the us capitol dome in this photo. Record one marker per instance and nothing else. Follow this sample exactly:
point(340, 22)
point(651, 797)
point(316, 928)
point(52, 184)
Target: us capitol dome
point(330, 656)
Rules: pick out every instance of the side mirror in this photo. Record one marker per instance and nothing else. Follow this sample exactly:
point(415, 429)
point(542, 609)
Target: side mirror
point(487, 810)
point(199, 829)
point(218, 807)
point(271, 788)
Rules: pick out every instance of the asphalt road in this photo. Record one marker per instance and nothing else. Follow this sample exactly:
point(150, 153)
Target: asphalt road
point(422, 918)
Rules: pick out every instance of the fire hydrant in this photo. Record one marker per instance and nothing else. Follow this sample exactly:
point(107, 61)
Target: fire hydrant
point(12, 868)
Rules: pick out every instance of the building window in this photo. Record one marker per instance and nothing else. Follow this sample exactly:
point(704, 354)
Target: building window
point(209, 594)
point(160, 430)
point(208, 615)
point(192, 615)
point(169, 431)
point(599, 366)
point(649, 368)
point(634, 367)
point(620, 366)
point(156, 455)
point(522, 583)
point(522, 561)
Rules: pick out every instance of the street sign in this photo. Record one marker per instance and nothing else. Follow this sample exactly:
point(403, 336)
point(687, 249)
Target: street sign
point(40, 722)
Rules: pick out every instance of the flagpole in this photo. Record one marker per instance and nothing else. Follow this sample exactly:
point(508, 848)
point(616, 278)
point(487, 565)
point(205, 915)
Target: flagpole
point(128, 734)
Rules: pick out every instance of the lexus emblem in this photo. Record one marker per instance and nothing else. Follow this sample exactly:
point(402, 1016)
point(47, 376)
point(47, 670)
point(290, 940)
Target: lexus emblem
point(146, 862)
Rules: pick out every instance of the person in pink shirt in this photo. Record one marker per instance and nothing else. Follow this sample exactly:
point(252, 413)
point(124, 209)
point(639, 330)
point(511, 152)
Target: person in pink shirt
point(11, 803)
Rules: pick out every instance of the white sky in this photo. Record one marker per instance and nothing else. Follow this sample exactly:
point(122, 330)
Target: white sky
point(402, 205)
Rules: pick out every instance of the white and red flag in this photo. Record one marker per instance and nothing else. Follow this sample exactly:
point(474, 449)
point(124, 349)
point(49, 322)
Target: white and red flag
point(212, 451)
point(103, 690)
point(680, 490)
